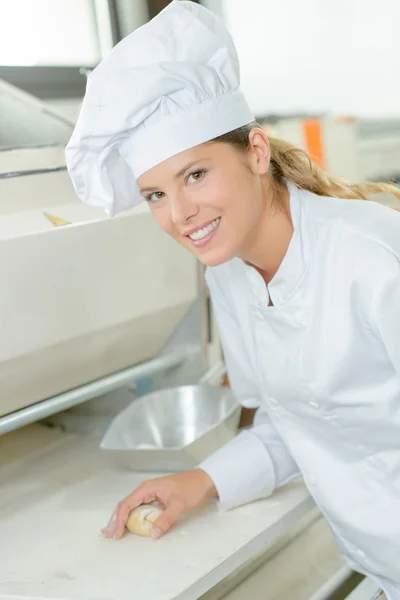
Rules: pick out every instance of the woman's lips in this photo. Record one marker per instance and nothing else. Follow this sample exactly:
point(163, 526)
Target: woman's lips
point(201, 243)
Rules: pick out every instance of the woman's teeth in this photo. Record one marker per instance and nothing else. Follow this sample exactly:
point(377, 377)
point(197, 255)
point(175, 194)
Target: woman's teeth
point(200, 233)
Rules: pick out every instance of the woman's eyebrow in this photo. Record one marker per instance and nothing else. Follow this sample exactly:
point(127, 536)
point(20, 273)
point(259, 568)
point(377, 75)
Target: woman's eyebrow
point(188, 166)
point(148, 189)
point(177, 175)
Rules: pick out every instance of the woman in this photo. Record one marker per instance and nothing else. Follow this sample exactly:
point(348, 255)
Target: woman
point(304, 276)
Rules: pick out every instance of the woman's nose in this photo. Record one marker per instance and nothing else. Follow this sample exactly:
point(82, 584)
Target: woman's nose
point(182, 209)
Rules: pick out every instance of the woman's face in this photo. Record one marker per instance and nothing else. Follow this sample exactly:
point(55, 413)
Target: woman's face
point(211, 198)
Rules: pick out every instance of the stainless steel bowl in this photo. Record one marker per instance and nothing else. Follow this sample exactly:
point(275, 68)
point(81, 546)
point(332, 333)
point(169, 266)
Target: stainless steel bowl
point(173, 429)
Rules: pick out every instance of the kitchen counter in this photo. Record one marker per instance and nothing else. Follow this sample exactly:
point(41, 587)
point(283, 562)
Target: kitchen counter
point(58, 490)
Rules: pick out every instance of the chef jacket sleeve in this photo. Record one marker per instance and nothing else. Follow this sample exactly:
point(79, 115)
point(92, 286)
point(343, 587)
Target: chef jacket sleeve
point(385, 313)
point(257, 460)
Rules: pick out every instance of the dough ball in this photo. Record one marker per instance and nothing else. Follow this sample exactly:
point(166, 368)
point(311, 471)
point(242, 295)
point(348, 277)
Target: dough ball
point(141, 519)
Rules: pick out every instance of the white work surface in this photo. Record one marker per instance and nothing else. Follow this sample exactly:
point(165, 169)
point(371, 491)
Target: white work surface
point(58, 490)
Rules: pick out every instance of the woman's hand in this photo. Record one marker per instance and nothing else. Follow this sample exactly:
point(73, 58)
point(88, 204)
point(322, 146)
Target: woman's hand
point(176, 493)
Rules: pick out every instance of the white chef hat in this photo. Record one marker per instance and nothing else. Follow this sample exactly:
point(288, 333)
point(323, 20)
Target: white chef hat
point(168, 86)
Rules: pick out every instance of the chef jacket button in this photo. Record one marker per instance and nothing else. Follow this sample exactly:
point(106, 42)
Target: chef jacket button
point(314, 404)
point(371, 461)
point(274, 402)
point(330, 417)
point(361, 554)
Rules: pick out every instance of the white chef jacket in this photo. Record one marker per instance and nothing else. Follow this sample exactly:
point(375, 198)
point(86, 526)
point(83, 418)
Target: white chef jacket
point(322, 365)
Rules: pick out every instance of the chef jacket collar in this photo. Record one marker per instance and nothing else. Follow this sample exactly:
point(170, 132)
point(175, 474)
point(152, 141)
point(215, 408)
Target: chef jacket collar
point(293, 267)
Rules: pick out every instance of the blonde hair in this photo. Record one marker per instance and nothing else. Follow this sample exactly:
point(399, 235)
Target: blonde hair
point(295, 165)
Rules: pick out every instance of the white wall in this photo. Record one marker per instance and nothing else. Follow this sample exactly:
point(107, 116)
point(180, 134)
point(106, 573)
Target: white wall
point(340, 56)
point(47, 32)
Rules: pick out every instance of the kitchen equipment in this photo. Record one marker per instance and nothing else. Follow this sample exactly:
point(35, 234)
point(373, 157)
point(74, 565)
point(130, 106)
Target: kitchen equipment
point(87, 297)
point(173, 429)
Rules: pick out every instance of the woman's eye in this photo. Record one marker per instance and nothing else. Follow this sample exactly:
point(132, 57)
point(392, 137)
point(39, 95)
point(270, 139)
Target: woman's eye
point(155, 196)
point(197, 175)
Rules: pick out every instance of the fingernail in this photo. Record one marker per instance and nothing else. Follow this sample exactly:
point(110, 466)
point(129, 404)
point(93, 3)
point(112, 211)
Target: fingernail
point(155, 533)
point(109, 531)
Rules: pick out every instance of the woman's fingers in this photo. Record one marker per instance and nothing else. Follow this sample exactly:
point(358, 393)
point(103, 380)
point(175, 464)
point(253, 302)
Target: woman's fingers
point(175, 493)
point(116, 525)
point(109, 530)
point(165, 521)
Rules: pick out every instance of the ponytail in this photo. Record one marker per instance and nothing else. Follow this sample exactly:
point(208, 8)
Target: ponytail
point(293, 164)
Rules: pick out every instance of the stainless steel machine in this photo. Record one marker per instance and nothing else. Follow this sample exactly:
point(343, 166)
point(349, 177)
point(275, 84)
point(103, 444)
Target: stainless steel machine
point(84, 296)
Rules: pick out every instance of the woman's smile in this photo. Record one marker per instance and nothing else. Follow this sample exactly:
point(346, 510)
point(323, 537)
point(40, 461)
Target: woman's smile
point(202, 235)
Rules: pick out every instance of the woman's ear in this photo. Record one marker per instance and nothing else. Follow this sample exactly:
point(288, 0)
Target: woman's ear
point(259, 152)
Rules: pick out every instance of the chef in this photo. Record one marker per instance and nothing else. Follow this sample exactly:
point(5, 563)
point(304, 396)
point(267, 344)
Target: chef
point(303, 272)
